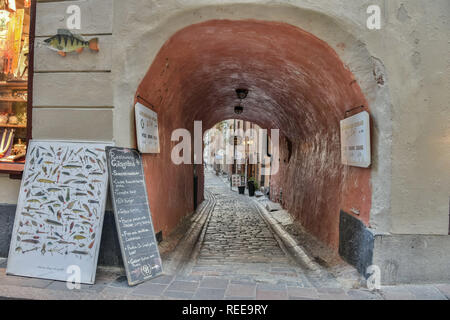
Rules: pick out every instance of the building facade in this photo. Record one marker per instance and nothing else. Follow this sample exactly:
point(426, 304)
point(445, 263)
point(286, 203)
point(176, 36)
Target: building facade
point(247, 155)
point(305, 64)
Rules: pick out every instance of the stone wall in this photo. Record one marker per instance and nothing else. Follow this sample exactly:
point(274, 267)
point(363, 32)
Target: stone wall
point(402, 71)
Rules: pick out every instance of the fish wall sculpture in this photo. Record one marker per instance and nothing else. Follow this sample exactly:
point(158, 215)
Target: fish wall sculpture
point(65, 42)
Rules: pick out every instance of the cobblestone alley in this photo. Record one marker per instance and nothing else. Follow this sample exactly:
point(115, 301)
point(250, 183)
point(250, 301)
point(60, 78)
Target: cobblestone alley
point(238, 257)
point(239, 244)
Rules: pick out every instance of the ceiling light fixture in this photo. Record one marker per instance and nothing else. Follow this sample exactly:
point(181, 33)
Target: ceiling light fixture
point(238, 109)
point(241, 93)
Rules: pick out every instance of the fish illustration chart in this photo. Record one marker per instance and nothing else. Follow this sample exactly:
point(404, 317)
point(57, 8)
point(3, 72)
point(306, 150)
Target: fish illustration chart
point(60, 211)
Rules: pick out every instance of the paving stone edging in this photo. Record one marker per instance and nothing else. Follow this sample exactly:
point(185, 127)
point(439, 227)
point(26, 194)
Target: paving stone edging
point(289, 242)
point(190, 261)
point(187, 245)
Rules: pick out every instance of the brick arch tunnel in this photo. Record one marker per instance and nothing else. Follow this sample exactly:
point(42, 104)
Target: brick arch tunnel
point(296, 83)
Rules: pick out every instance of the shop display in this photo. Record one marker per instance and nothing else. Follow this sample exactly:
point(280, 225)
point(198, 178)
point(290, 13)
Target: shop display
point(9, 4)
point(65, 41)
point(13, 115)
point(23, 61)
point(6, 142)
point(4, 20)
point(22, 117)
point(3, 118)
point(18, 152)
point(14, 51)
point(13, 120)
point(60, 210)
point(19, 148)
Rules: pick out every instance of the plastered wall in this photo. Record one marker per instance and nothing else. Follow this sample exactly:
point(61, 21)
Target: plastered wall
point(402, 70)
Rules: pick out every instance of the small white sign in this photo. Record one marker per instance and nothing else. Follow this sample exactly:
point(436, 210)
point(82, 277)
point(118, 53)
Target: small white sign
point(146, 129)
point(236, 180)
point(355, 140)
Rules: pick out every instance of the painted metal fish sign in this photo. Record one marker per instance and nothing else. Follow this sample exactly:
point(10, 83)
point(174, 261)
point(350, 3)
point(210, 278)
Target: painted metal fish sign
point(65, 41)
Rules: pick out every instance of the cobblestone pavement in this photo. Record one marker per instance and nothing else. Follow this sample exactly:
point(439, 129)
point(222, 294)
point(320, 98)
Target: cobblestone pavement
point(239, 246)
point(240, 259)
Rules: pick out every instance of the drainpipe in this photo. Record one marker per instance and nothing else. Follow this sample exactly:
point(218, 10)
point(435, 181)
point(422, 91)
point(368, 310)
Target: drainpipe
point(270, 162)
point(234, 147)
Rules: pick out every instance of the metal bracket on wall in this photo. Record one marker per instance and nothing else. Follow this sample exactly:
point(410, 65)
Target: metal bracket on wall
point(159, 237)
point(149, 104)
point(353, 109)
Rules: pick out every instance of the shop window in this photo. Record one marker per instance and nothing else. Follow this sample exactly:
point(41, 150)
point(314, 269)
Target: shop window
point(15, 105)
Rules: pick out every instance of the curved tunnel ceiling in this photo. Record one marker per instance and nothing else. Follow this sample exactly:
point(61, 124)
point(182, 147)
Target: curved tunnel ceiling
point(296, 82)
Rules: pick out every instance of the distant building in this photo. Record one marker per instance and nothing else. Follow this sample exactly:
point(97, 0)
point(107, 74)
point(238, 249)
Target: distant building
point(248, 156)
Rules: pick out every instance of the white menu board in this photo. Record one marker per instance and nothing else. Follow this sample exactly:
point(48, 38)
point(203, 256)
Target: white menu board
point(146, 129)
point(355, 140)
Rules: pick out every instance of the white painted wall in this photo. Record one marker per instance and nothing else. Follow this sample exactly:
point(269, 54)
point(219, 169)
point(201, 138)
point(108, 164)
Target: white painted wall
point(92, 95)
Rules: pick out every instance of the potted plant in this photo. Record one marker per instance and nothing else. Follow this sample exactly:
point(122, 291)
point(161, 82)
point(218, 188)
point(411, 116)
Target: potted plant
point(252, 186)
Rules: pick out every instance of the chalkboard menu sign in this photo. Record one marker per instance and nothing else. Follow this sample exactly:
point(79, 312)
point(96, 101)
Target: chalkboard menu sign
point(132, 213)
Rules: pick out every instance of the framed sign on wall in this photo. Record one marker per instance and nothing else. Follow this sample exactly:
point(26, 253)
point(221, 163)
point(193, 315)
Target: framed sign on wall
point(146, 129)
point(355, 140)
point(60, 210)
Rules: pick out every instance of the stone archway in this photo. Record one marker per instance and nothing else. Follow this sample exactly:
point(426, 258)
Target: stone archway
point(297, 83)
